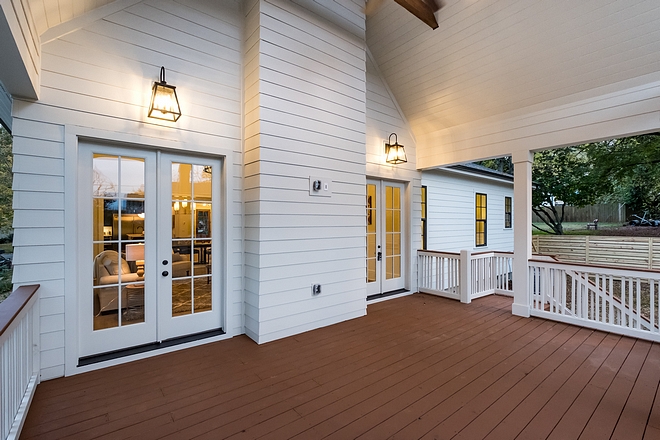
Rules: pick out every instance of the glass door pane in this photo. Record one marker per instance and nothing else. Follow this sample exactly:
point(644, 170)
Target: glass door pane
point(192, 238)
point(392, 232)
point(118, 201)
point(371, 233)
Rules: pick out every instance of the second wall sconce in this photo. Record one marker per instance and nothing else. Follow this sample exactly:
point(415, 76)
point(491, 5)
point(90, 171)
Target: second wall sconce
point(164, 102)
point(394, 152)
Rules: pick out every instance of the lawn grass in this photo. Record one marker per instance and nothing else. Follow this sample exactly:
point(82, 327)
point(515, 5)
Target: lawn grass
point(575, 228)
point(7, 247)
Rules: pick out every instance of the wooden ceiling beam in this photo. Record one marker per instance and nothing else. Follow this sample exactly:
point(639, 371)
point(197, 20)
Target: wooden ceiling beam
point(421, 9)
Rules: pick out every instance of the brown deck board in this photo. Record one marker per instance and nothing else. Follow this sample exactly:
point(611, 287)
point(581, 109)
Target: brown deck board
point(414, 367)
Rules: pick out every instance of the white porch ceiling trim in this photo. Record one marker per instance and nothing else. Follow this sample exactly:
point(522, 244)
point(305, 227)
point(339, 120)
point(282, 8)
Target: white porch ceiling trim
point(632, 109)
point(21, 52)
point(86, 19)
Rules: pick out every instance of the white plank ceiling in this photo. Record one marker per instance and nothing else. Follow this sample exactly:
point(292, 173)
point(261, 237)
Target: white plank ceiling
point(488, 56)
point(494, 56)
point(49, 13)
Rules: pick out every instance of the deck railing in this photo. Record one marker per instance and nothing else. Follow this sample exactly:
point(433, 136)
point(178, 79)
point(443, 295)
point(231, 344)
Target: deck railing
point(464, 276)
point(491, 272)
point(624, 301)
point(19, 358)
point(439, 273)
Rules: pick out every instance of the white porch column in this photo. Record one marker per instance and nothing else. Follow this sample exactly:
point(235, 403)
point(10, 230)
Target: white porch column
point(465, 275)
point(522, 227)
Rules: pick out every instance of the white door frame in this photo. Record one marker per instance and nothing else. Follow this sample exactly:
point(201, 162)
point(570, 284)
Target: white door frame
point(382, 284)
point(155, 327)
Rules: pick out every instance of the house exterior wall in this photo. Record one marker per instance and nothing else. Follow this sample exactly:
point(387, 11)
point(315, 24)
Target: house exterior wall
point(96, 83)
point(281, 89)
point(384, 117)
point(304, 119)
point(451, 211)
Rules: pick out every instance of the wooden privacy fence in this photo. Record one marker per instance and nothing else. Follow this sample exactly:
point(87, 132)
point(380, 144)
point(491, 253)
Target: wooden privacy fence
point(637, 252)
point(610, 213)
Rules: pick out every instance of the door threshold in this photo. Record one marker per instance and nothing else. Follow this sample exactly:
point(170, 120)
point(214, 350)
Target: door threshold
point(386, 294)
point(108, 356)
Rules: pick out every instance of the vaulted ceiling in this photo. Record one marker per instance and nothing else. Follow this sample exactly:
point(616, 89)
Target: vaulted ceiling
point(488, 57)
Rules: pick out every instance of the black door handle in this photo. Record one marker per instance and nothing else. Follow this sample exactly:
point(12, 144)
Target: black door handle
point(165, 273)
point(379, 256)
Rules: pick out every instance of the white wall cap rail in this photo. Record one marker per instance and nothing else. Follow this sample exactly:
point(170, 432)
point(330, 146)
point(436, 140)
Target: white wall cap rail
point(19, 358)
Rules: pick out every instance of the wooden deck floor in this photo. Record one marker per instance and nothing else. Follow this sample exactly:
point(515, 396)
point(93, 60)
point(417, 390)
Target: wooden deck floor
point(415, 367)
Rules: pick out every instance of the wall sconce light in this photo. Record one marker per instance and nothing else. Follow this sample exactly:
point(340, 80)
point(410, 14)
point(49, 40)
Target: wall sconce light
point(176, 206)
point(164, 103)
point(394, 153)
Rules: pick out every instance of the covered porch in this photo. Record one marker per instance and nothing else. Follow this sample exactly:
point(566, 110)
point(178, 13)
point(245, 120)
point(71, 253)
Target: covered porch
point(420, 366)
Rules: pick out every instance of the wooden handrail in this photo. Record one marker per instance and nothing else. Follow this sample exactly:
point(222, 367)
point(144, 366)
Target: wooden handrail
point(12, 306)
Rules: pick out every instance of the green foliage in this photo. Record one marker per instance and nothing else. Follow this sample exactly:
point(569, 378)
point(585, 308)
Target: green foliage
point(564, 176)
point(5, 283)
point(501, 164)
point(632, 165)
point(617, 170)
point(6, 161)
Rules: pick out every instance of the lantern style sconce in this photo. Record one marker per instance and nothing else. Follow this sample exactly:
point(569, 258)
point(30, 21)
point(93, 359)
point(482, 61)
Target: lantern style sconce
point(164, 103)
point(394, 153)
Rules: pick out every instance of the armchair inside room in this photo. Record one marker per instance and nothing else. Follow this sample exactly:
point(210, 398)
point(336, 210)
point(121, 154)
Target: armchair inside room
point(107, 267)
point(181, 265)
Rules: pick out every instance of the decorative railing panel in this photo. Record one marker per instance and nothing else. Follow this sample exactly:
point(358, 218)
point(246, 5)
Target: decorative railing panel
point(616, 300)
point(19, 358)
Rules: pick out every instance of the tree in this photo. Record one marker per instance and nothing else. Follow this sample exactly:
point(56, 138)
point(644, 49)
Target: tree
point(565, 176)
point(632, 165)
point(501, 164)
point(6, 210)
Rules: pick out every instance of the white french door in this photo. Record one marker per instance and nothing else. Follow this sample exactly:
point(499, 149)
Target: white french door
point(385, 237)
point(149, 224)
point(189, 300)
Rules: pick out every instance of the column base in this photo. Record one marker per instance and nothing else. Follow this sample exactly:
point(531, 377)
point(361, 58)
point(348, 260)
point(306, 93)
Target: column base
point(520, 310)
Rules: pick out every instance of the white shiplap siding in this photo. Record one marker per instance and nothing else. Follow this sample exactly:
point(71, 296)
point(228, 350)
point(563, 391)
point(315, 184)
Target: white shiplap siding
point(39, 247)
point(305, 116)
point(383, 118)
point(99, 78)
point(451, 211)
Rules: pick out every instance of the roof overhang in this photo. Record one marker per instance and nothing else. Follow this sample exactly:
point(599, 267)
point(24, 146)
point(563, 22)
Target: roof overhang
point(21, 64)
